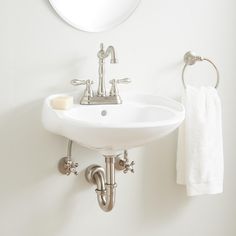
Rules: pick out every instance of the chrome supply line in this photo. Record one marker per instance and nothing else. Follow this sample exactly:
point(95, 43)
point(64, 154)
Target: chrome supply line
point(66, 165)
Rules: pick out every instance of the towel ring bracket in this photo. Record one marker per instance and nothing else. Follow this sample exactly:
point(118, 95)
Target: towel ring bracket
point(190, 59)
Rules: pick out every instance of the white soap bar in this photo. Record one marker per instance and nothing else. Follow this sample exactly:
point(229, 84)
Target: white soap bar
point(62, 102)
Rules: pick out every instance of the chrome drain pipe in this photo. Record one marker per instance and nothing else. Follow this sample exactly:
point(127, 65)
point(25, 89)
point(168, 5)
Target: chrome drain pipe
point(106, 185)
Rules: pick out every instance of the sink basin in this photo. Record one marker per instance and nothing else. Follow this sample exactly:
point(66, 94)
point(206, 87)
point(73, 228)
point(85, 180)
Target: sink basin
point(112, 128)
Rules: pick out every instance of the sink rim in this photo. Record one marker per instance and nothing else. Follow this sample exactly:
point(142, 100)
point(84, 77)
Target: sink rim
point(178, 113)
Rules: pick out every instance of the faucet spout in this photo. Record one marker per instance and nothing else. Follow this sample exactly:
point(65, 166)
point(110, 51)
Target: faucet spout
point(102, 97)
point(111, 50)
point(102, 55)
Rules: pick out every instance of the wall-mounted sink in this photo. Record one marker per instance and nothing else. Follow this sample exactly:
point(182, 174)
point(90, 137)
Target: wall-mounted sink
point(112, 128)
point(108, 123)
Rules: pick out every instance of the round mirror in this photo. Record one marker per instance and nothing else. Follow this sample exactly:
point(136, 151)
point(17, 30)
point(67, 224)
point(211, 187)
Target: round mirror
point(94, 15)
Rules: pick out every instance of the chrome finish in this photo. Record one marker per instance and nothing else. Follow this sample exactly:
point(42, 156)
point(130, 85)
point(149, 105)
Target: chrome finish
point(123, 163)
point(91, 171)
point(88, 92)
point(106, 185)
point(95, 174)
point(66, 166)
point(114, 90)
point(101, 56)
point(123, 81)
point(69, 148)
point(101, 100)
point(190, 59)
point(101, 97)
point(103, 113)
point(76, 82)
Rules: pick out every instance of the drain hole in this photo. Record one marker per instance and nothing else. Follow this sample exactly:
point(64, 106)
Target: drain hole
point(103, 112)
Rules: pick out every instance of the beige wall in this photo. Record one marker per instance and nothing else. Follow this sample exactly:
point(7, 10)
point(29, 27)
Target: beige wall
point(40, 54)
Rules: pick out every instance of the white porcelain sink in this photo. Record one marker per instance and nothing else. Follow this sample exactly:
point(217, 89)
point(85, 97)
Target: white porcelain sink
point(112, 128)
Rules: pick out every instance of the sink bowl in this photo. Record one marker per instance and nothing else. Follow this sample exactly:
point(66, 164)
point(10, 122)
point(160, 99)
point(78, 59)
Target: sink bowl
point(112, 128)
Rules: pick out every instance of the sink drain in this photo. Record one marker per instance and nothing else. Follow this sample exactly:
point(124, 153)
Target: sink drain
point(103, 112)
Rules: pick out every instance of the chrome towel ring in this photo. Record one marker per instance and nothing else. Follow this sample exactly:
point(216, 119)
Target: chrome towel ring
point(190, 59)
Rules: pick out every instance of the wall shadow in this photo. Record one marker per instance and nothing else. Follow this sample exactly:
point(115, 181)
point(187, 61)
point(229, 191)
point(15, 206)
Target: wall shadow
point(161, 198)
point(29, 157)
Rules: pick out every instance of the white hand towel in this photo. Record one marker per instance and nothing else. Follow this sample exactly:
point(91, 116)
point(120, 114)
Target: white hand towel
point(200, 163)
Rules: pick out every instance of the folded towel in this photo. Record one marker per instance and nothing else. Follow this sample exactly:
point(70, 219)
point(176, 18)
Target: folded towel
point(200, 163)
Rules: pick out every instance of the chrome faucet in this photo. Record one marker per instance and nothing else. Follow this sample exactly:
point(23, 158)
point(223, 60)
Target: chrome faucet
point(101, 97)
point(101, 56)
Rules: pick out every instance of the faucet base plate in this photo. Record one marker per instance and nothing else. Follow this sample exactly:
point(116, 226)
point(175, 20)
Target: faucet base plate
point(108, 100)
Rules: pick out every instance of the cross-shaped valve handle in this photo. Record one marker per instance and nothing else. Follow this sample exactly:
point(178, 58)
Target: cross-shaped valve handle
point(129, 166)
point(123, 163)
